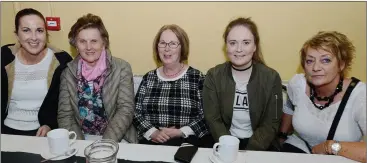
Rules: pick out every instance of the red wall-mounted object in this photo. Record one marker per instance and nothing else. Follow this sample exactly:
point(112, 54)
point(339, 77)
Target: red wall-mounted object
point(53, 23)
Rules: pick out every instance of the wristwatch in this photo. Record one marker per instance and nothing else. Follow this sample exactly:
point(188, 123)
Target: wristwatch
point(335, 147)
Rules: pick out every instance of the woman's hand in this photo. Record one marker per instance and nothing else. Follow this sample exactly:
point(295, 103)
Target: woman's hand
point(172, 131)
point(159, 137)
point(43, 130)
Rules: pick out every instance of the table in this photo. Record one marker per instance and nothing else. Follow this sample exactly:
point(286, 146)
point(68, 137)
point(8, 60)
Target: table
point(139, 152)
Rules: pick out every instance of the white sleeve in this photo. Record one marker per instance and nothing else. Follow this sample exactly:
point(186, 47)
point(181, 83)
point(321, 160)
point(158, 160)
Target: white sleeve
point(360, 112)
point(187, 131)
point(288, 107)
point(295, 86)
point(149, 133)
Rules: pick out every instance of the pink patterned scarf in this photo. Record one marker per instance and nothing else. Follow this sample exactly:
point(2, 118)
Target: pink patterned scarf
point(91, 73)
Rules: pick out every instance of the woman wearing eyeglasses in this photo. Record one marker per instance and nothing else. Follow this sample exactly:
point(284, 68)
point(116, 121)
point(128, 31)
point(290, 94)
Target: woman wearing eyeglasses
point(169, 102)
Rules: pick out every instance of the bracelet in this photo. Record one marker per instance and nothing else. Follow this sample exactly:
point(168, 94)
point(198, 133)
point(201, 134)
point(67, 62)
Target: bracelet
point(326, 147)
point(283, 135)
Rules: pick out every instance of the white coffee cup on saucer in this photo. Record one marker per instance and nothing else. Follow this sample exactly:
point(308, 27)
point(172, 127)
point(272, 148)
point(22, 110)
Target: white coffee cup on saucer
point(226, 149)
point(59, 140)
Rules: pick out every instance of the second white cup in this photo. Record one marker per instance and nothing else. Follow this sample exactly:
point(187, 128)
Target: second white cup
point(226, 149)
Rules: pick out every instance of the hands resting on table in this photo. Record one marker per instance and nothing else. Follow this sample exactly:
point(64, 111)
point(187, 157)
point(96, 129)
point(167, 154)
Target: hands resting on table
point(352, 150)
point(164, 134)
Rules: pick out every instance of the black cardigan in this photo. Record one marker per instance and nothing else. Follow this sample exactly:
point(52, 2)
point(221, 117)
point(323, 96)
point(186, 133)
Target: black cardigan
point(47, 114)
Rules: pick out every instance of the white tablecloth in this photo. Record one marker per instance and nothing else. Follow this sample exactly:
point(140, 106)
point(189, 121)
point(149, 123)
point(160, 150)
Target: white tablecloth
point(140, 152)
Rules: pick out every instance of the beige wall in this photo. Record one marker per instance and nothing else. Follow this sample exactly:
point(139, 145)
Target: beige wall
point(283, 26)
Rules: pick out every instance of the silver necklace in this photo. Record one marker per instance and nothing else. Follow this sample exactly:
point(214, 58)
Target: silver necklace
point(175, 73)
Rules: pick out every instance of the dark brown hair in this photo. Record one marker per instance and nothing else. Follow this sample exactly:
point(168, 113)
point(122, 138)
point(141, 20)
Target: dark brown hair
point(25, 12)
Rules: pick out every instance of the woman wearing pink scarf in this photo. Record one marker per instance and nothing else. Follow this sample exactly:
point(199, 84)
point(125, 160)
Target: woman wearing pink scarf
point(96, 91)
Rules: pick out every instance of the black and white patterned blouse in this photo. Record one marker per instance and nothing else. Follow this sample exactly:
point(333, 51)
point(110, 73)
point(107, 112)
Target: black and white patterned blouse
point(170, 103)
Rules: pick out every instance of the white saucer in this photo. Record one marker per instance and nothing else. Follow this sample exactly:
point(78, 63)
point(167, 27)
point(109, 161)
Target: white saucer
point(214, 159)
point(46, 154)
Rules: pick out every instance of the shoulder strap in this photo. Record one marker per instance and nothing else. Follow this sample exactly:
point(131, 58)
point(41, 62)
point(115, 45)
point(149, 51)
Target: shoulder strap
point(340, 111)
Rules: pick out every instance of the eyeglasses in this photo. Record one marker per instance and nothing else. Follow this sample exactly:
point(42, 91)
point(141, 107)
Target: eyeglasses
point(171, 44)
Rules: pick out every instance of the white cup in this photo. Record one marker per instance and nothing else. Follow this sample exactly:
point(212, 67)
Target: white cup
point(58, 140)
point(227, 148)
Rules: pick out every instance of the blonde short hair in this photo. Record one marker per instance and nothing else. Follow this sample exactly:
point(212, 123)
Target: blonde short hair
point(333, 42)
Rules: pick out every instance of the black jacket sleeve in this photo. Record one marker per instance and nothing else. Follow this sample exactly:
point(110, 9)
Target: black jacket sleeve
point(48, 112)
